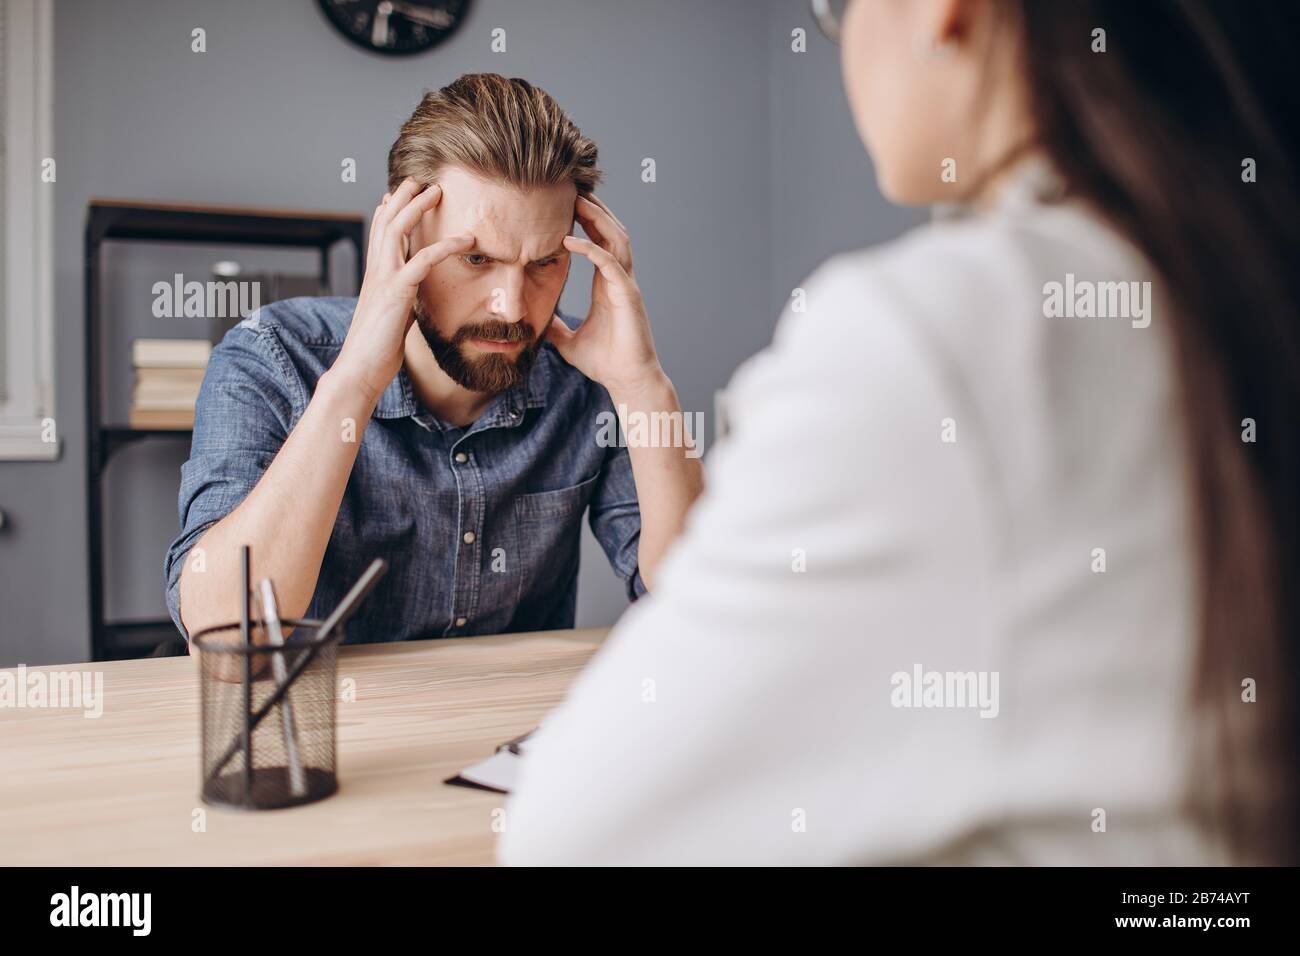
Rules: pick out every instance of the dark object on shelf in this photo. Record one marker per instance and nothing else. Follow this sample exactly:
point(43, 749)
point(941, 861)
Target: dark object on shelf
point(271, 286)
point(175, 647)
point(128, 220)
point(268, 709)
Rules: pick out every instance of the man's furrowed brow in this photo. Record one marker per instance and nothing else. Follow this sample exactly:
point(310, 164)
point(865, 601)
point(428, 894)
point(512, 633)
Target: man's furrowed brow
point(478, 249)
point(557, 251)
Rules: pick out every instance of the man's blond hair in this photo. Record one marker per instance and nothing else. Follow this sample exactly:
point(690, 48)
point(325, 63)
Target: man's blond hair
point(496, 128)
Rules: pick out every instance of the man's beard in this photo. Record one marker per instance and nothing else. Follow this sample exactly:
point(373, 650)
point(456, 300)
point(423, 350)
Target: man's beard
point(491, 372)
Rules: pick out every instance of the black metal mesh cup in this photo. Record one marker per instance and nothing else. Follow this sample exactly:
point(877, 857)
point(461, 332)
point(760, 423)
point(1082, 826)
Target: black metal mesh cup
point(275, 702)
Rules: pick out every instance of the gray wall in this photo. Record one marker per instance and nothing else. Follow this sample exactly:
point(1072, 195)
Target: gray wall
point(760, 177)
point(822, 188)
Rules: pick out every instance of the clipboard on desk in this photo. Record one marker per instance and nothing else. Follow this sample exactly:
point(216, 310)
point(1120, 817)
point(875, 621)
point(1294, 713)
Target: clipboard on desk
point(497, 773)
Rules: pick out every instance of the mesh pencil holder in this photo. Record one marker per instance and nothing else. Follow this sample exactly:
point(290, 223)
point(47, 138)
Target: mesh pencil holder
point(267, 702)
point(267, 715)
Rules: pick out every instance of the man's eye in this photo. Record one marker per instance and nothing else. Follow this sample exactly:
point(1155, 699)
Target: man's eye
point(474, 258)
point(544, 263)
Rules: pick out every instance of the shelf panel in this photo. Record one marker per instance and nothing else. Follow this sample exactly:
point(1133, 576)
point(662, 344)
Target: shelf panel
point(176, 222)
point(149, 221)
point(132, 432)
point(116, 437)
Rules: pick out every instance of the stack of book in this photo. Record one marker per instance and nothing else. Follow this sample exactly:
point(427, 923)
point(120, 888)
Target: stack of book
point(168, 373)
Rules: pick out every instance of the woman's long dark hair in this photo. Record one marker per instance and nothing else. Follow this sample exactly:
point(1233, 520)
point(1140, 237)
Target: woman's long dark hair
point(1159, 133)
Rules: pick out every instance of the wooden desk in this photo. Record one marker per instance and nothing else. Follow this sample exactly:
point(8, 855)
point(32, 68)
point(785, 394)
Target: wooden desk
point(122, 789)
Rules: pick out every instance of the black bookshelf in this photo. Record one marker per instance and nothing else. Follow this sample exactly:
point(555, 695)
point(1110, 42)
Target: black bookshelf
point(127, 221)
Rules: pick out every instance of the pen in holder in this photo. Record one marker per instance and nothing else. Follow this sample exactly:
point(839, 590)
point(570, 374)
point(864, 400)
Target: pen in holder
point(268, 702)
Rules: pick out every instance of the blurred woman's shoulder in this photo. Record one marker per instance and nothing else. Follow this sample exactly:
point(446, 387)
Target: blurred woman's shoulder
point(982, 278)
point(1029, 306)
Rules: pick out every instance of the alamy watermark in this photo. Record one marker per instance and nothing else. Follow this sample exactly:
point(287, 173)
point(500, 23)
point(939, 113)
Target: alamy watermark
point(1085, 299)
point(946, 689)
point(65, 690)
point(651, 430)
point(133, 911)
point(214, 299)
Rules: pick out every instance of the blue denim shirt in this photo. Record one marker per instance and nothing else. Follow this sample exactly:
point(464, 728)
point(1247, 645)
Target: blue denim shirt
point(520, 478)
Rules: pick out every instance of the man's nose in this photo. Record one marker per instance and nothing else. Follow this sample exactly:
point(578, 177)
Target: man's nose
point(507, 302)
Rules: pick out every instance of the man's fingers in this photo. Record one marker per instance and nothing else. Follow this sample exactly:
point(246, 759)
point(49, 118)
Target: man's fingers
point(603, 205)
point(602, 227)
point(414, 271)
point(395, 202)
point(370, 239)
point(602, 259)
point(384, 213)
point(400, 226)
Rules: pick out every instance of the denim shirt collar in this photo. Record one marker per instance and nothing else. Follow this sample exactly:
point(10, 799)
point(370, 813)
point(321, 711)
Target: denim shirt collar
point(505, 409)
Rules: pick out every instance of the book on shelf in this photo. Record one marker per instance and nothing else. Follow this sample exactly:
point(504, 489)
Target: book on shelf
point(163, 419)
point(171, 378)
point(162, 403)
point(170, 353)
point(168, 375)
point(152, 391)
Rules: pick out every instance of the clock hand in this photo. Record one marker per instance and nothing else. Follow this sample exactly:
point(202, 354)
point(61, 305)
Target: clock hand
point(379, 31)
point(433, 18)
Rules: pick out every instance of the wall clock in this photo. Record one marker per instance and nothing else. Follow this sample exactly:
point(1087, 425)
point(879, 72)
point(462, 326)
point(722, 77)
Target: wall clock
point(396, 27)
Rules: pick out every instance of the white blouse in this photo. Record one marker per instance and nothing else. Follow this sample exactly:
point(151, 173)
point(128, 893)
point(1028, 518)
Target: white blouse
point(937, 602)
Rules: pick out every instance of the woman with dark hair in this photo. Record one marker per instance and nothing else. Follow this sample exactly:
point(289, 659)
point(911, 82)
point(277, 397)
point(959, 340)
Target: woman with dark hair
point(997, 564)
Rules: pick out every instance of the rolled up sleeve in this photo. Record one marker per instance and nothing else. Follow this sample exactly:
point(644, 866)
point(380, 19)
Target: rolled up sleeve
point(243, 415)
point(615, 519)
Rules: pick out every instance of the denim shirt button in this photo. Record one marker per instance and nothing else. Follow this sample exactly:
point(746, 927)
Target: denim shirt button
point(469, 537)
point(461, 457)
point(461, 622)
